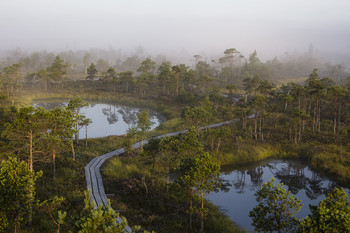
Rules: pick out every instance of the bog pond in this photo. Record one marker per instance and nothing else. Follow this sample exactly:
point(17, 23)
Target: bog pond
point(107, 119)
point(237, 198)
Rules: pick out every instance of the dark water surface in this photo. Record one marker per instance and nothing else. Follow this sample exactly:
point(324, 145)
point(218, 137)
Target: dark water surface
point(108, 119)
point(242, 183)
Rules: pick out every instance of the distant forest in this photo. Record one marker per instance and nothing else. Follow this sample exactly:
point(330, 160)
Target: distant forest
point(232, 67)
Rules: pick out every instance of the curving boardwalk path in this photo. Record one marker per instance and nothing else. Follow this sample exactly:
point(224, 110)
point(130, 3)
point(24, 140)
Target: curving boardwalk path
point(94, 180)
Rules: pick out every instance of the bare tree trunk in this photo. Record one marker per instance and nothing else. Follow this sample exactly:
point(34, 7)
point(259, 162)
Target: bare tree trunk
point(190, 194)
point(54, 163)
point(319, 116)
point(144, 183)
point(76, 126)
point(72, 146)
point(255, 128)
point(341, 150)
point(30, 169)
point(30, 150)
point(300, 130)
point(86, 141)
point(335, 122)
point(202, 213)
point(177, 85)
point(218, 145)
point(263, 123)
point(167, 181)
point(244, 120)
point(314, 121)
point(339, 111)
point(290, 135)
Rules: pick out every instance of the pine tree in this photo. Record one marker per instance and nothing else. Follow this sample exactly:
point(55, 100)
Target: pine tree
point(276, 209)
point(331, 215)
point(17, 193)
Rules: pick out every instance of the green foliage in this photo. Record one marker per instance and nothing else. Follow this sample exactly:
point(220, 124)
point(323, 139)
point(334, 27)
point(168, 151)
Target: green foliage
point(331, 215)
point(199, 175)
point(143, 124)
point(60, 131)
point(276, 209)
point(57, 70)
point(38, 131)
point(91, 71)
point(126, 78)
point(44, 77)
point(200, 172)
point(50, 207)
point(216, 136)
point(100, 219)
point(250, 84)
point(10, 79)
point(146, 66)
point(169, 148)
point(200, 115)
point(190, 145)
point(79, 120)
point(76, 104)
point(17, 193)
point(27, 120)
point(130, 139)
point(143, 121)
point(27, 129)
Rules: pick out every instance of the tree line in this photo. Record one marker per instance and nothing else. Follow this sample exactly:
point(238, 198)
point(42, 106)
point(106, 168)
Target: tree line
point(150, 78)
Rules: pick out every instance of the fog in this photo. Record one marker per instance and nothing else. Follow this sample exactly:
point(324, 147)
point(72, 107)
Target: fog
point(272, 27)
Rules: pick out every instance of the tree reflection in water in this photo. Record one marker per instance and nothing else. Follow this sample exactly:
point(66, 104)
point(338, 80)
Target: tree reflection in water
point(111, 114)
point(256, 176)
point(240, 182)
point(295, 176)
point(237, 196)
point(129, 114)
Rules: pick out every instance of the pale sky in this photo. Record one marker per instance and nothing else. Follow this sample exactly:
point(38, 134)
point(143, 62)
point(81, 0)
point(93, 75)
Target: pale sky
point(270, 26)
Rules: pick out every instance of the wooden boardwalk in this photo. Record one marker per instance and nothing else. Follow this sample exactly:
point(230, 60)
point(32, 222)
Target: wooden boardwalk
point(94, 180)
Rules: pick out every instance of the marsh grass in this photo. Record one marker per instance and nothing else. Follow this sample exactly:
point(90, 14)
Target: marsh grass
point(246, 152)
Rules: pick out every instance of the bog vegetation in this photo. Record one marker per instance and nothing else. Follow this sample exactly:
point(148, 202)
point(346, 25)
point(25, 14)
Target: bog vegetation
point(291, 108)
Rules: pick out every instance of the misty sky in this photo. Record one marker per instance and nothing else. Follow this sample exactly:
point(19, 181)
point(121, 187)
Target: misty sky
point(270, 26)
